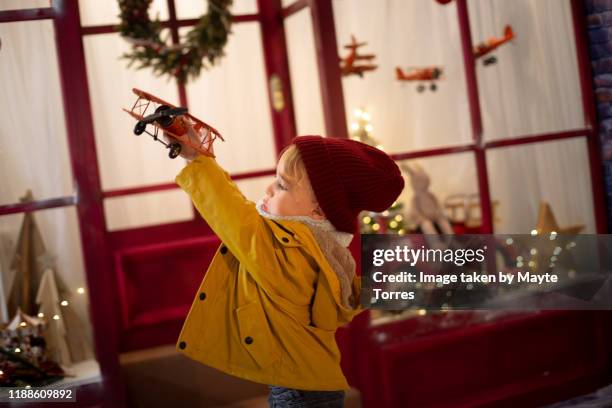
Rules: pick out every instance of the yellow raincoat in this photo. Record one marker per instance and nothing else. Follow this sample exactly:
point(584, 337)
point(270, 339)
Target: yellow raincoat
point(270, 302)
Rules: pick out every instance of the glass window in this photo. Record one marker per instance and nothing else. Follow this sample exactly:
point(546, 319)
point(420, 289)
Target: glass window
point(146, 209)
point(425, 35)
point(195, 9)
point(125, 160)
point(23, 4)
point(54, 244)
point(33, 144)
point(287, 3)
point(521, 177)
point(254, 188)
point(233, 98)
point(304, 72)
point(533, 87)
point(92, 14)
point(434, 175)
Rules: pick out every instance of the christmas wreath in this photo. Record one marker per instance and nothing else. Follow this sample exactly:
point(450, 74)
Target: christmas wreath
point(182, 60)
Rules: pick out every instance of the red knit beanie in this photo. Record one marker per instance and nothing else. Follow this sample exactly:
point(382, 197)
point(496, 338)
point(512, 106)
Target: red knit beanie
point(349, 177)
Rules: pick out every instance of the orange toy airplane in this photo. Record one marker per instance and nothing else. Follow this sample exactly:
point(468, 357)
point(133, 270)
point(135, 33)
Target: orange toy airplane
point(175, 122)
point(347, 64)
point(491, 44)
point(420, 74)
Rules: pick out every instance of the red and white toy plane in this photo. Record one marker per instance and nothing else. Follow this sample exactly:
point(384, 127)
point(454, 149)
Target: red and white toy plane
point(427, 74)
point(174, 122)
point(348, 64)
point(491, 44)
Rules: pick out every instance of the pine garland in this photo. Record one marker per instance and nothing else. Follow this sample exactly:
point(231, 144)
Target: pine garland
point(183, 60)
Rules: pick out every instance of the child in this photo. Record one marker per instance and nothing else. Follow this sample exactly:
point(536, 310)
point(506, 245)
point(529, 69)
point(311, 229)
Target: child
point(283, 280)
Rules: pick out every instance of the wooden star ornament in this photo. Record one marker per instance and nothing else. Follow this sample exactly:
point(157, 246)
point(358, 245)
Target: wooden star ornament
point(547, 222)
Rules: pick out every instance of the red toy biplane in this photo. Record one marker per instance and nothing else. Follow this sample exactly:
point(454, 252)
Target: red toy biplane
point(426, 74)
point(348, 66)
point(175, 122)
point(491, 44)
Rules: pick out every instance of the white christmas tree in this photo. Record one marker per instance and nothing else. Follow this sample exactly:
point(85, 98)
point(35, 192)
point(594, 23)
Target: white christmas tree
point(22, 319)
point(55, 334)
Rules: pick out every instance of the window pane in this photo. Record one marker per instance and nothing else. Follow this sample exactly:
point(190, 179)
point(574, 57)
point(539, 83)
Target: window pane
point(58, 231)
point(147, 209)
point(425, 34)
point(534, 85)
point(195, 9)
point(304, 72)
point(287, 3)
point(432, 175)
point(23, 4)
point(96, 12)
point(448, 188)
point(33, 144)
point(125, 160)
point(555, 172)
point(162, 207)
point(253, 189)
point(233, 98)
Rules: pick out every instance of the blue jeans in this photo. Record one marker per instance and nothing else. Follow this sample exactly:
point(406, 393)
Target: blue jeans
point(281, 397)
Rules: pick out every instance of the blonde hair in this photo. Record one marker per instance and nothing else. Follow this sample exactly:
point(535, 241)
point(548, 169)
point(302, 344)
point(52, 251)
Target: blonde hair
point(294, 165)
point(295, 168)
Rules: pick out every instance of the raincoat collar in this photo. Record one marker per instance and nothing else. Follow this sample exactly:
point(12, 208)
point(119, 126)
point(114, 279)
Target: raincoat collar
point(333, 245)
point(343, 238)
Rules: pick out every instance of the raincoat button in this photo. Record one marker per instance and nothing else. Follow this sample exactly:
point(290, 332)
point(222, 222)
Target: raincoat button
point(182, 345)
point(248, 340)
point(223, 250)
point(202, 296)
point(285, 240)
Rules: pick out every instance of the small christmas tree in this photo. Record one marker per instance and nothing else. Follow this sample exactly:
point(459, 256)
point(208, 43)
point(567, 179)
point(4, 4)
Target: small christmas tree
point(55, 335)
point(35, 283)
point(392, 219)
point(26, 267)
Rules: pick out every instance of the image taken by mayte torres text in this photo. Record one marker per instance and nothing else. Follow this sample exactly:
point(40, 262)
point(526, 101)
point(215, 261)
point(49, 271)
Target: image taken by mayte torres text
point(486, 272)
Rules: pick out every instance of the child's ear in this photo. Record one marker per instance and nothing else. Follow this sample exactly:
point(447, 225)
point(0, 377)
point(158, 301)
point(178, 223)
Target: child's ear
point(317, 213)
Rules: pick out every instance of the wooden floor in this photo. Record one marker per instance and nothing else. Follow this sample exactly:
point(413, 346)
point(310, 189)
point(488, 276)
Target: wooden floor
point(162, 377)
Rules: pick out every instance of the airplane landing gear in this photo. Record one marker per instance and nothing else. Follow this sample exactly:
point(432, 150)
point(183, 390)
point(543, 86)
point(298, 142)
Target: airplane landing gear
point(490, 60)
point(175, 150)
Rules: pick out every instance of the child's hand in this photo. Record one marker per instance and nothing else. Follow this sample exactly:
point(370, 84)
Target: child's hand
point(187, 152)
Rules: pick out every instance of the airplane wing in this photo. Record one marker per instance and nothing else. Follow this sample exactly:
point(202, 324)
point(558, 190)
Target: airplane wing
point(355, 45)
point(362, 68)
point(365, 57)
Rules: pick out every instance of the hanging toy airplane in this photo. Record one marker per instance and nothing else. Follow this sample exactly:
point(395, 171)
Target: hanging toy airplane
point(421, 75)
point(491, 44)
point(175, 122)
point(350, 64)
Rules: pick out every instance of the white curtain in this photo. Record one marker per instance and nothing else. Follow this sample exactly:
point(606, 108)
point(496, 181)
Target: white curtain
point(304, 74)
point(232, 97)
point(534, 88)
point(34, 151)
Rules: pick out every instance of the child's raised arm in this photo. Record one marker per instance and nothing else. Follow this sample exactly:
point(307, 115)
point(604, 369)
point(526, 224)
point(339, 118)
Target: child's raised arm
point(231, 216)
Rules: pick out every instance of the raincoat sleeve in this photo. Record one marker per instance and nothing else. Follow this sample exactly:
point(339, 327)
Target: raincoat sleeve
point(231, 216)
